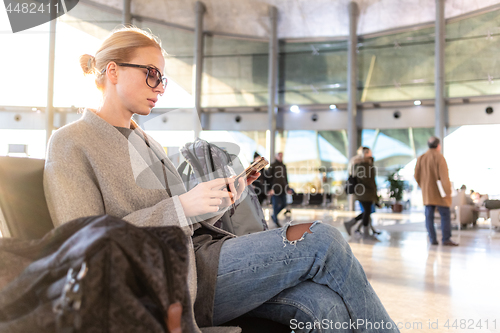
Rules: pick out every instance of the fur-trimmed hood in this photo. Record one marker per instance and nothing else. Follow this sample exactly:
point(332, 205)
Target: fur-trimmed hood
point(360, 159)
point(357, 160)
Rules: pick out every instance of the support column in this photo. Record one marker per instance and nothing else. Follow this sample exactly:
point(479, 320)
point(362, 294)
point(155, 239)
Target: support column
point(49, 114)
point(127, 14)
point(200, 10)
point(440, 123)
point(352, 129)
point(272, 79)
point(351, 79)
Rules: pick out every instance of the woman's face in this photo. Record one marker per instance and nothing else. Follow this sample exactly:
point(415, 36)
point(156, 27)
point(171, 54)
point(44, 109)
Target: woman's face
point(132, 90)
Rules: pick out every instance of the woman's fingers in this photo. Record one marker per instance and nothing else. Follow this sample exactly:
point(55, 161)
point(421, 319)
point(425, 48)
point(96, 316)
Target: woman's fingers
point(216, 184)
point(252, 177)
point(215, 202)
point(233, 191)
point(241, 188)
point(208, 197)
point(220, 194)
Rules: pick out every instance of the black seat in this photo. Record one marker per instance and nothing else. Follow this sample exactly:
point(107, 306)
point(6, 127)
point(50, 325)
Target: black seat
point(23, 209)
point(328, 198)
point(298, 199)
point(315, 199)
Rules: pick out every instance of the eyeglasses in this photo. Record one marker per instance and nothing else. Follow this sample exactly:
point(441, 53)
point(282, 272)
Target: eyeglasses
point(153, 74)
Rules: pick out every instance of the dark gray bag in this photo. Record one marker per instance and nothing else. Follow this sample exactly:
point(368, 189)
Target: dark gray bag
point(206, 161)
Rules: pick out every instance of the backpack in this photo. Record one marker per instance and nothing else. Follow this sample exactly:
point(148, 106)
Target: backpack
point(206, 161)
point(96, 274)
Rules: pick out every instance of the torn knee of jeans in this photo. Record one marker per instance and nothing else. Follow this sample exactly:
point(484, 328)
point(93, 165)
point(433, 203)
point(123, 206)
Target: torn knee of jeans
point(294, 242)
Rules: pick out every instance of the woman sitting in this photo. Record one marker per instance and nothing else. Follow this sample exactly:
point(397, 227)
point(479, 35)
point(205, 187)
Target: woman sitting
point(105, 164)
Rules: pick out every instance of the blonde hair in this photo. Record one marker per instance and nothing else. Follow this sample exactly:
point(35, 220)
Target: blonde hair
point(363, 151)
point(120, 46)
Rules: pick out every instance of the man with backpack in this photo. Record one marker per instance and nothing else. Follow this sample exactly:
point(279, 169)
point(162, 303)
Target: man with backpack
point(277, 183)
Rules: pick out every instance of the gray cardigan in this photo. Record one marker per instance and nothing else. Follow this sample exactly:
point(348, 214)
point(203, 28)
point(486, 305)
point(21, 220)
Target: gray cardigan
point(92, 169)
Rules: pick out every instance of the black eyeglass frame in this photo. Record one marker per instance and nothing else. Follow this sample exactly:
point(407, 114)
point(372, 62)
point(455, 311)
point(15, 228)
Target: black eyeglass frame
point(161, 79)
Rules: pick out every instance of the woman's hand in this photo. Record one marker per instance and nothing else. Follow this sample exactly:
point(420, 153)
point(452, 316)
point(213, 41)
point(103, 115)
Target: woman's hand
point(237, 192)
point(252, 177)
point(208, 197)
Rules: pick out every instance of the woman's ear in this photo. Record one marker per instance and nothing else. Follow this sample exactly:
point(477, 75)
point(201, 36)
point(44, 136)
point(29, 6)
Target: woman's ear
point(112, 72)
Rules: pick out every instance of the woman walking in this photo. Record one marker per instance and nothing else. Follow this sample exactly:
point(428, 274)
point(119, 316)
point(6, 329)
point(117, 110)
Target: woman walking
point(362, 168)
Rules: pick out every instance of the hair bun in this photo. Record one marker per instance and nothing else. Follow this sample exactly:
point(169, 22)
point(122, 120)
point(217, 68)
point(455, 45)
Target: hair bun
point(87, 62)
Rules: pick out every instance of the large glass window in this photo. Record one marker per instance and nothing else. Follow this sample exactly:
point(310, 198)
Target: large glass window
point(24, 58)
point(396, 67)
point(312, 73)
point(472, 64)
point(234, 72)
point(316, 160)
point(472, 160)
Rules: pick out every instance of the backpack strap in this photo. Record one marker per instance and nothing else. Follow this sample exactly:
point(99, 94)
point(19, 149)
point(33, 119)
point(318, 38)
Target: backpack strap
point(211, 157)
point(193, 160)
point(186, 178)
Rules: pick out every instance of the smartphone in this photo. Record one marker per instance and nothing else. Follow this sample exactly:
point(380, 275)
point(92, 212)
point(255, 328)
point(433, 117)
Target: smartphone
point(255, 167)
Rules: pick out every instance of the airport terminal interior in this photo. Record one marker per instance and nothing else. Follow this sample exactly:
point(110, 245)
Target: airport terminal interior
point(314, 80)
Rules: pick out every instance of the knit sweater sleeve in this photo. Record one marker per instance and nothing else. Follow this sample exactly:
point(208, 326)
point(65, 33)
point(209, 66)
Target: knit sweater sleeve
point(72, 190)
point(166, 212)
point(70, 184)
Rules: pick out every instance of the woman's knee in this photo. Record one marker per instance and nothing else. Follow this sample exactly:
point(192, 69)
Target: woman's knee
point(295, 232)
point(328, 233)
point(331, 237)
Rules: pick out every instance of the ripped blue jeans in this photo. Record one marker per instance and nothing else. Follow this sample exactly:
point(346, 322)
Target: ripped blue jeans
point(314, 284)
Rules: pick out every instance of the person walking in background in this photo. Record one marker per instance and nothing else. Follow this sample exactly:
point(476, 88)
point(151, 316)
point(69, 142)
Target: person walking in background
point(278, 186)
point(258, 184)
point(431, 167)
point(374, 231)
point(362, 168)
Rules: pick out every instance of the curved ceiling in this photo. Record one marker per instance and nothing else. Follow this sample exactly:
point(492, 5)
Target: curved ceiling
point(299, 18)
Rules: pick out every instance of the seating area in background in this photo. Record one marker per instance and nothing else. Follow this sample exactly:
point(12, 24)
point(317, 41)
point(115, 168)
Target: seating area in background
point(311, 200)
point(462, 212)
point(465, 212)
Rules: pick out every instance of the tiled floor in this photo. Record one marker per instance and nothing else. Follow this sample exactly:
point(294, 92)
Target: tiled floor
point(428, 288)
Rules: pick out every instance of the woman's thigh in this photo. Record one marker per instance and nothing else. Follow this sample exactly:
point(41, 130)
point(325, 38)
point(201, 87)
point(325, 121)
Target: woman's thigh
point(254, 268)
